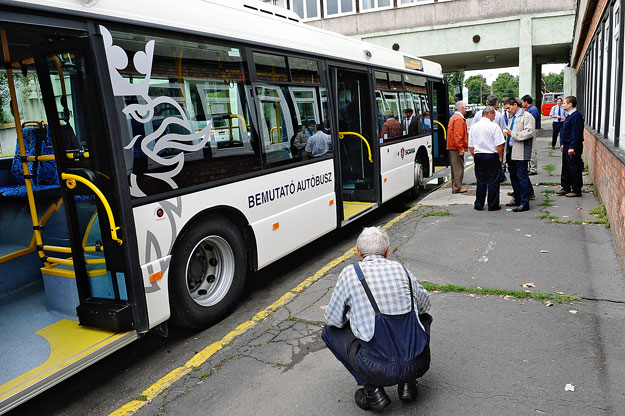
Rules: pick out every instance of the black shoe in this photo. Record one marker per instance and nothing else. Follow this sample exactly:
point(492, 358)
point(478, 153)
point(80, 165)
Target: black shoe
point(375, 399)
point(408, 392)
point(475, 207)
point(497, 208)
point(521, 208)
point(513, 203)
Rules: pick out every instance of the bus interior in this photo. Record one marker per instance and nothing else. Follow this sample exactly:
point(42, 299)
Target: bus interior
point(54, 257)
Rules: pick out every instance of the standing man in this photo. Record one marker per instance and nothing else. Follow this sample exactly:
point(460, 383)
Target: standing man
point(391, 129)
point(531, 108)
point(372, 326)
point(491, 101)
point(457, 144)
point(572, 145)
point(521, 133)
point(486, 145)
point(319, 143)
point(557, 117)
point(411, 123)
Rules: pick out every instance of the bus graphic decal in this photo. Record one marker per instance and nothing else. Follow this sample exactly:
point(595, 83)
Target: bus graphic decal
point(163, 148)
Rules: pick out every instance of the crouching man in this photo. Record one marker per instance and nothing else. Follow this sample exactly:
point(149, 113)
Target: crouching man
point(377, 324)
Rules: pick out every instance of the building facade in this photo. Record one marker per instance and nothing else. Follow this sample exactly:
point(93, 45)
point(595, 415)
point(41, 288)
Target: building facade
point(597, 56)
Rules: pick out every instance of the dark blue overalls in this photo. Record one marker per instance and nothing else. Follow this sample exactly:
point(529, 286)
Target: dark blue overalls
point(399, 351)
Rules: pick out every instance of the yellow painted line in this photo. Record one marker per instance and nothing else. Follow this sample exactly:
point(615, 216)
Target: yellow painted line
point(201, 357)
point(471, 166)
point(69, 342)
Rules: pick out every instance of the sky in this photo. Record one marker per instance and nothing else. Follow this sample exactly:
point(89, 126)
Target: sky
point(491, 74)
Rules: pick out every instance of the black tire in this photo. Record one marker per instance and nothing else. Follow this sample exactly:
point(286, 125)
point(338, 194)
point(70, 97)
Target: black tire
point(207, 273)
point(419, 174)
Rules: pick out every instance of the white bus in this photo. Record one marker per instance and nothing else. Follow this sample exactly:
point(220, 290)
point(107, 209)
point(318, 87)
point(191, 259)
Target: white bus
point(147, 163)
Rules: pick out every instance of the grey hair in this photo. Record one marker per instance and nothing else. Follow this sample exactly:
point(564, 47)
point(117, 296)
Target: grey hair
point(459, 105)
point(373, 240)
point(488, 110)
point(491, 100)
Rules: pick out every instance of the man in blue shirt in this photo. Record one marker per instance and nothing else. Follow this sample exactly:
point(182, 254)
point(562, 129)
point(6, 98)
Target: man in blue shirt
point(528, 107)
point(557, 116)
point(572, 145)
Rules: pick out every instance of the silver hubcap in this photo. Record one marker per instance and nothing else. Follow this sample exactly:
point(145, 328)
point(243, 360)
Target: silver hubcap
point(418, 175)
point(210, 271)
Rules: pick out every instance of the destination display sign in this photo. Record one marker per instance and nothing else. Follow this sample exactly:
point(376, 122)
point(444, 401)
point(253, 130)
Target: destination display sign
point(413, 63)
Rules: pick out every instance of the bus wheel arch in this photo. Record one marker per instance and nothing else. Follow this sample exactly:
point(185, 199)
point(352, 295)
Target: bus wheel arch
point(421, 170)
point(208, 268)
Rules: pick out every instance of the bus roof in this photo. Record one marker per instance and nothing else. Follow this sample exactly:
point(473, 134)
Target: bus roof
point(246, 20)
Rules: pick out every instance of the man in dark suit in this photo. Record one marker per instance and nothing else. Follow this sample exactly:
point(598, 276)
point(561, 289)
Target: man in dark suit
point(410, 124)
point(572, 145)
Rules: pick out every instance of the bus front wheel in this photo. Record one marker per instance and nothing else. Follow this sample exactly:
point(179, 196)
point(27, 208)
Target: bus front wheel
point(207, 273)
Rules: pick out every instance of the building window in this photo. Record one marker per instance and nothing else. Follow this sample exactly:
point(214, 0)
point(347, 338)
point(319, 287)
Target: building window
point(367, 5)
point(339, 7)
point(411, 2)
point(306, 9)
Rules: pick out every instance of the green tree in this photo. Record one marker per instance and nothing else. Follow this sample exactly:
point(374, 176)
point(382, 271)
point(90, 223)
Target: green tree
point(476, 84)
point(455, 79)
point(506, 85)
point(553, 82)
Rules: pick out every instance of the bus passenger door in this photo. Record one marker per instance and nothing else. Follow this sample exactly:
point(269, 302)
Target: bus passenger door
point(439, 96)
point(98, 257)
point(358, 176)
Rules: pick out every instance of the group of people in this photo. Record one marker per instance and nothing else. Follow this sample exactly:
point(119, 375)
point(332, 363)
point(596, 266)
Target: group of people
point(409, 126)
point(377, 321)
point(510, 135)
point(310, 142)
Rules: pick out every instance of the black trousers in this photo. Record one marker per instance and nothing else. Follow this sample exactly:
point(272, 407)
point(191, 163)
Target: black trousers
point(556, 131)
point(521, 184)
point(487, 173)
point(345, 346)
point(572, 168)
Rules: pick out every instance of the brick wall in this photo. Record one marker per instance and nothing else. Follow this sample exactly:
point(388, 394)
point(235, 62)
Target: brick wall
point(607, 171)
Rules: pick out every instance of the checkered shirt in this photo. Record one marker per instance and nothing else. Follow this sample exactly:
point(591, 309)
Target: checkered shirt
point(389, 286)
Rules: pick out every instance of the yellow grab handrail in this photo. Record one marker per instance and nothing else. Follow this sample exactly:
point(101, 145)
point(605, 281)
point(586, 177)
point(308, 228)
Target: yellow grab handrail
point(271, 134)
point(342, 134)
point(71, 180)
point(70, 262)
point(444, 131)
point(20, 141)
point(241, 120)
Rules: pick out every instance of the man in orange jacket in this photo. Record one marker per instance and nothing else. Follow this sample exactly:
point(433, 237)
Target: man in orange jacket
point(457, 144)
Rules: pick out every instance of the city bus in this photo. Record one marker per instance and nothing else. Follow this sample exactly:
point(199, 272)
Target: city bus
point(147, 165)
point(549, 100)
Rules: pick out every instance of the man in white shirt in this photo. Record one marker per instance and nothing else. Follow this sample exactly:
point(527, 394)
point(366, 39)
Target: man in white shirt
point(491, 101)
point(486, 143)
point(319, 143)
point(557, 115)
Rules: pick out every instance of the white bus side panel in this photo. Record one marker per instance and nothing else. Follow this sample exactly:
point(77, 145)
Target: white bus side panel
point(297, 198)
point(154, 280)
point(397, 166)
point(295, 227)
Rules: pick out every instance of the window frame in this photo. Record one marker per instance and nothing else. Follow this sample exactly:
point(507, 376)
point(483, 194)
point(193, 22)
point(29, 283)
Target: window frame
point(340, 13)
point(376, 7)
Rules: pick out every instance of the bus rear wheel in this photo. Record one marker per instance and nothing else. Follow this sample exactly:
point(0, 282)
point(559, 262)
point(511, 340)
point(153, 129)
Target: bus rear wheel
point(417, 188)
point(207, 273)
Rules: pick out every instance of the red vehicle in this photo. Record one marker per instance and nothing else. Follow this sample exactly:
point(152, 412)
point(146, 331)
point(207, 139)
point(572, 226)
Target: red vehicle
point(549, 100)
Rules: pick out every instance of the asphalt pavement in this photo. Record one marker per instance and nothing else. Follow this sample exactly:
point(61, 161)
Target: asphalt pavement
point(492, 354)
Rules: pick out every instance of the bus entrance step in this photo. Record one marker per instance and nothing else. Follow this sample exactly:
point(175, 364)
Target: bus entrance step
point(107, 315)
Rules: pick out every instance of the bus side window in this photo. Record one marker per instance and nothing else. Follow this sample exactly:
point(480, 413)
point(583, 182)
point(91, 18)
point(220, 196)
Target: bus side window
point(291, 115)
point(188, 118)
